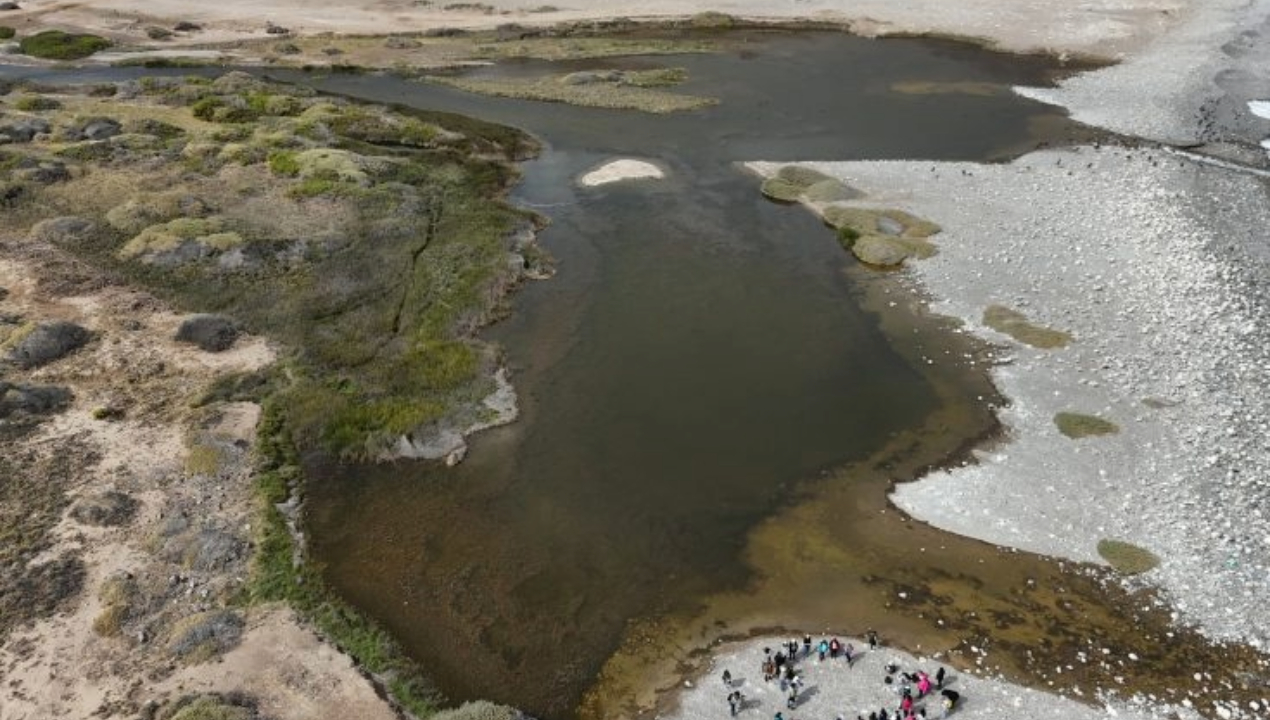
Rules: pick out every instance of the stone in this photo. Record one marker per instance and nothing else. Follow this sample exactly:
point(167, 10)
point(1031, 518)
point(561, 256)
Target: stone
point(25, 130)
point(32, 399)
point(45, 173)
point(7, 5)
point(46, 343)
point(108, 509)
point(186, 26)
point(99, 129)
point(212, 333)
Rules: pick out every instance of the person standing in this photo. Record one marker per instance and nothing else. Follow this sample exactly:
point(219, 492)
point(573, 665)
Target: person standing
point(873, 639)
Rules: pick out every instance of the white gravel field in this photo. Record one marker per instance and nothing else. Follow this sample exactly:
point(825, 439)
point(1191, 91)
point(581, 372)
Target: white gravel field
point(832, 690)
point(1144, 258)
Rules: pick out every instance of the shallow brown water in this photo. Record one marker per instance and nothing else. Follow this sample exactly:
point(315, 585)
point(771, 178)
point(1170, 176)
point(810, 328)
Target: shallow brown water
point(714, 404)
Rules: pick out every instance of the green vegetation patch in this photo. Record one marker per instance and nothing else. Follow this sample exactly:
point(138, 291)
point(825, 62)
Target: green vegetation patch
point(1016, 325)
point(276, 576)
point(36, 103)
point(581, 48)
point(7, 32)
point(207, 707)
point(794, 182)
point(1076, 425)
point(712, 20)
point(176, 234)
point(1127, 558)
point(881, 238)
point(117, 595)
point(58, 45)
point(603, 90)
point(147, 209)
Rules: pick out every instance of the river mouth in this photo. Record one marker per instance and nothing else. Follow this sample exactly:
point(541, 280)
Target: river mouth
point(704, 361)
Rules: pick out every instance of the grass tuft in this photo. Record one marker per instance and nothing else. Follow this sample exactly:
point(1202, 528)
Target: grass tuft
point(1127, 558)
point(1016, 325)
point(1076, 425)
point(58, 45)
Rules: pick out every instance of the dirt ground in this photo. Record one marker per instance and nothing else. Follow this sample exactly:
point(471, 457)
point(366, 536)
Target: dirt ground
point(181, 552)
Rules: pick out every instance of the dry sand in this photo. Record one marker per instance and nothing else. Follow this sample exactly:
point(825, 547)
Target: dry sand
point(1106, 28)
point(619, 170)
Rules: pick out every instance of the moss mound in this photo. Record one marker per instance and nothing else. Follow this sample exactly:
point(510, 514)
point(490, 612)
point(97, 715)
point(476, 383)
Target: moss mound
point(1127, 558)
point(828, 191)
point(881, 238)
point(7, 32)
point(1076, 425)
point(1016, 325)
point(180, 239)
point(142, 211)
point(792, 182)
point(58, 45)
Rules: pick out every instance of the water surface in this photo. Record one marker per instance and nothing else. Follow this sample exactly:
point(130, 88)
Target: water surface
point(699, 356)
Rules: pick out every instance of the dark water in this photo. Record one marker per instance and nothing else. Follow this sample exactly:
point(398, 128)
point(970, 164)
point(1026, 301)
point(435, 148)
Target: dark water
point(699, 353)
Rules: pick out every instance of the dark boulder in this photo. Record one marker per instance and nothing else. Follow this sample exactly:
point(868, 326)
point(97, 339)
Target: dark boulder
point(32, 399)
point(186, 26)
point(64, 230)
point(99, 129)
point(46, 343)
point(44, 173)
point(25, 130)
point(105, 509)
point(9, 5)
point(212, 333)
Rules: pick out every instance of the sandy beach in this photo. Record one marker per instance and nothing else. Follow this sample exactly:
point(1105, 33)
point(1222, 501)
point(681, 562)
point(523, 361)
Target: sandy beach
point(1153, 258)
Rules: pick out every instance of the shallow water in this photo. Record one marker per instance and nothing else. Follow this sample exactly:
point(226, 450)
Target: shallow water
point(701, 353)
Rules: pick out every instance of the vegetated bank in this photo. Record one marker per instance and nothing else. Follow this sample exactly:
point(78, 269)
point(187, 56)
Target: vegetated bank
point(369, 242)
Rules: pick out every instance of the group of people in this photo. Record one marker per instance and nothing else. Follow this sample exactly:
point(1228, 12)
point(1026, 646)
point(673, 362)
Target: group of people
point(911, 688)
